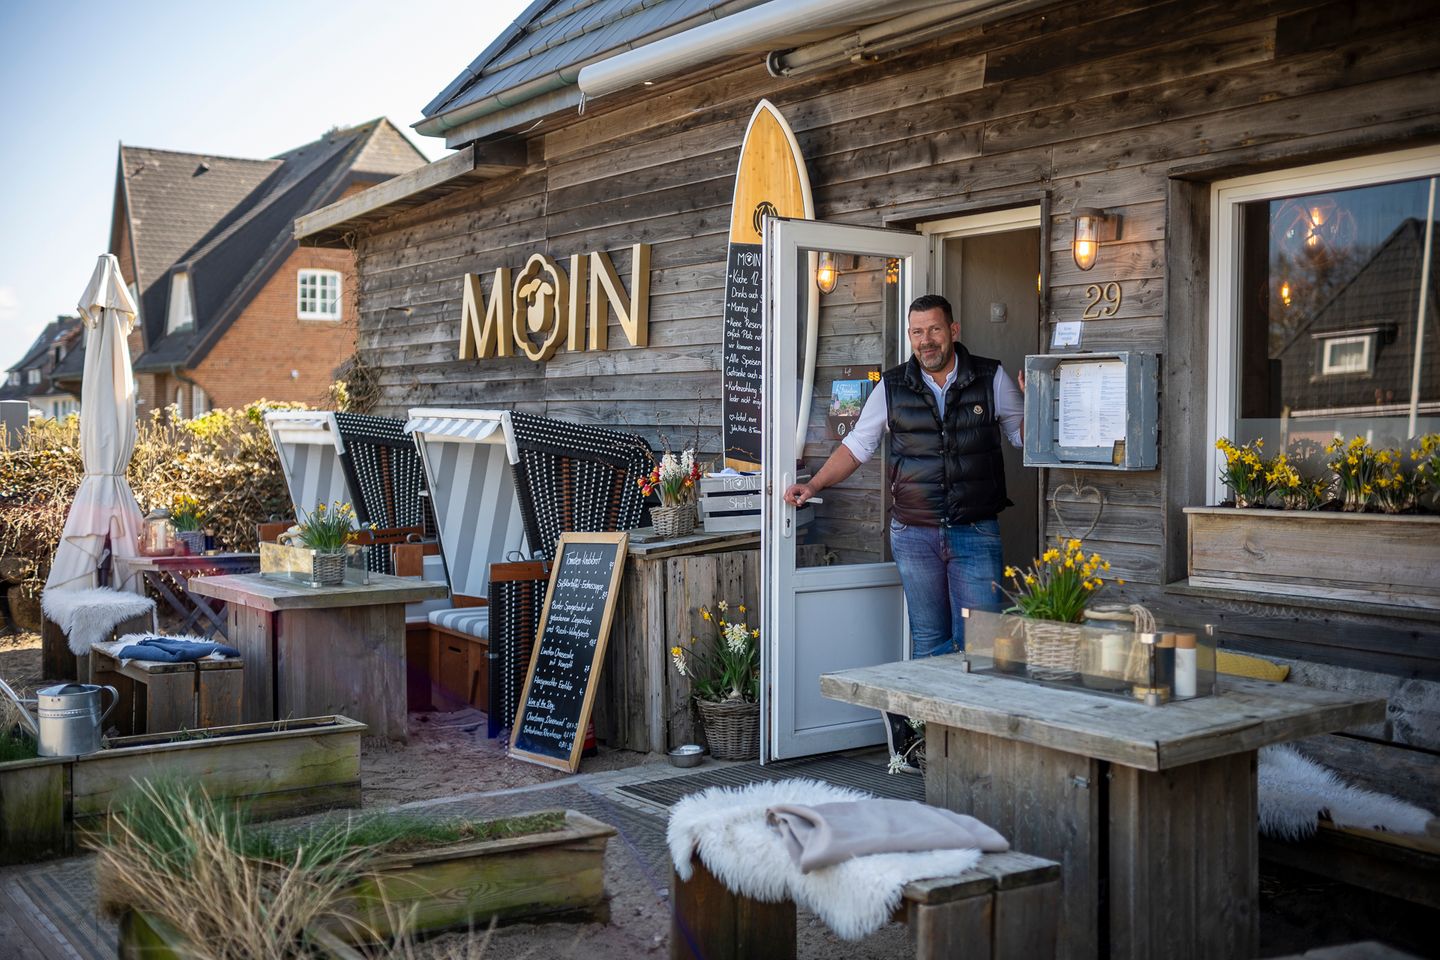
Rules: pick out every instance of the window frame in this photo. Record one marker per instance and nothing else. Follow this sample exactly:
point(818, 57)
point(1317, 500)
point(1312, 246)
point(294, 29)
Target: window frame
point(1226, 199)
point(1367, 355)
point(319, 273)
point(32, 377)
point(180, 312)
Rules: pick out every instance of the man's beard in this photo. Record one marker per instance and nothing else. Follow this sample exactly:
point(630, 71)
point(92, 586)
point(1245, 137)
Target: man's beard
point(946, 351)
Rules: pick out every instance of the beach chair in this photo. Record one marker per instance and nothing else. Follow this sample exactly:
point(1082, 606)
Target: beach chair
point(368, 462)
point(504, 486)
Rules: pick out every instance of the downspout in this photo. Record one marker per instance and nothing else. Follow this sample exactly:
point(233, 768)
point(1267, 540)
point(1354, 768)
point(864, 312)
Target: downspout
point(185, 378)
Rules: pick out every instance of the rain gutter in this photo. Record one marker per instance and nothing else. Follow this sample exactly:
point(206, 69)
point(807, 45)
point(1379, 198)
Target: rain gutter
point(741, 32)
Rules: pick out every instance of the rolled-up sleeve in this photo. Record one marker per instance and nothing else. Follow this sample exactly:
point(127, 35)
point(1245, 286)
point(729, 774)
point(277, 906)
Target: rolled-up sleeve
point(864, 440)
point(1009, 407)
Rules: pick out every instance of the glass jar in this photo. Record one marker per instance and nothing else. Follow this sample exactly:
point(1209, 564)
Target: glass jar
point(157, 538)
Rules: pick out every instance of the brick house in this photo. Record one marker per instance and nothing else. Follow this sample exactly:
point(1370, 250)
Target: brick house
point(31, 378)
point(231, 310)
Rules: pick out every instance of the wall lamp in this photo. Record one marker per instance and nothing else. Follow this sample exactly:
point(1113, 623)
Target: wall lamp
point(1093, 227)
point(827, 274)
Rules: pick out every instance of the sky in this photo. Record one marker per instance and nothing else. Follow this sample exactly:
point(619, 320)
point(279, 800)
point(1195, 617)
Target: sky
point(249, 79)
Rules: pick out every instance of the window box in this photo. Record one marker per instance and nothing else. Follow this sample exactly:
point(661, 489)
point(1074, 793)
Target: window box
point(1366, 557)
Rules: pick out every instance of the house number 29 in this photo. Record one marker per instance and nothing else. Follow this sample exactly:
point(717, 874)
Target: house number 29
point(1102, 301)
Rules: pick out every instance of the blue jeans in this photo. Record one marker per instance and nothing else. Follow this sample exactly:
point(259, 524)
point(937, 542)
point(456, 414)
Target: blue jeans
point(943, 570)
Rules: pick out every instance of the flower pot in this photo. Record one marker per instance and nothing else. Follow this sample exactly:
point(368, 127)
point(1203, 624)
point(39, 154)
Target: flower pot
point(194, 541)
point(1319, 554)
point(1052, 649)
point(674, 521)
point(732, 728)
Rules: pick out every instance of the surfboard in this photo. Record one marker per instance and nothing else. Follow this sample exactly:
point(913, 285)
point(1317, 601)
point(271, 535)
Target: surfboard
point(770, 181)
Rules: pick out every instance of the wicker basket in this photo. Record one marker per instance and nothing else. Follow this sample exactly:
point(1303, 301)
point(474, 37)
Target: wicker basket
point(732, 728)
point(194, 541)
point(674, 521)
point(1052, 649)
point(328, 568)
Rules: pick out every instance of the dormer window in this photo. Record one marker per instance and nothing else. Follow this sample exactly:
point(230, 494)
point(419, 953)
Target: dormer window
point(182, 306)
point(318, 295)
point(1347, 355)
point(32, 376)
point(14, 378)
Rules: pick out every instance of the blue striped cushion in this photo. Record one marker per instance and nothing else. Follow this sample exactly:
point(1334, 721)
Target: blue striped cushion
point(471, 621)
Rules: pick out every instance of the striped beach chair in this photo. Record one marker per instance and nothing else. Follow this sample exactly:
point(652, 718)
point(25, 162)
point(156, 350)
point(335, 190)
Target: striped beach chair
point(368, 462)
point(467, 456)
point(505, 486)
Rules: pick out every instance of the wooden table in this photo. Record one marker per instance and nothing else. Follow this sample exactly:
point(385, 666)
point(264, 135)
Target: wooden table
point(1151, 811)
point(199, 615)
point(315, 651)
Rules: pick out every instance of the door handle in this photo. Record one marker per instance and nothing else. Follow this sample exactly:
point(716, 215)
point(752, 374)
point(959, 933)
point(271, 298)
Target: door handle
point(788, 527)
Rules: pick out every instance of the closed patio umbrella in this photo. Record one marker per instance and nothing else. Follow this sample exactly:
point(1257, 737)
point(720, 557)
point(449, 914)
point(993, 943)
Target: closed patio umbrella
point(103, 504)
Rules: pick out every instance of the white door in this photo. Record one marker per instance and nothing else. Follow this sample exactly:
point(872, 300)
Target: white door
point(832, 597)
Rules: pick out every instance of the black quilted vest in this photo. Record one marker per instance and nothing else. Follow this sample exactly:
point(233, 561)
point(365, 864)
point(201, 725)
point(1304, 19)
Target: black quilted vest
point(952, 474)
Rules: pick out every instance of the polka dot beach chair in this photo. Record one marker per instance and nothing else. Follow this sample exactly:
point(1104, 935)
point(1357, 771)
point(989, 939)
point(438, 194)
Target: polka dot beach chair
point(504, 486)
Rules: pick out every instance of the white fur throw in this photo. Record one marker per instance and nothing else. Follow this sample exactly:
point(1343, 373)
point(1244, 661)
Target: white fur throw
point(1295, 791)
point(90, 615)
point(726, 828)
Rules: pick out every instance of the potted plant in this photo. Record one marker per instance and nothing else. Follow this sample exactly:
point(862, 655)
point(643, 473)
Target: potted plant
point(381, 877)
point(187, 518)
point(317, 550)
point(1313, 513)
point(1051, 597)
point(673, 479)
point(724, 674)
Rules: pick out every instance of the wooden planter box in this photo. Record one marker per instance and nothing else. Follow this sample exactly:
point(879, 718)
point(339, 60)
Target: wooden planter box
point(543, 876)
point(1369, 557)
point(278, 769)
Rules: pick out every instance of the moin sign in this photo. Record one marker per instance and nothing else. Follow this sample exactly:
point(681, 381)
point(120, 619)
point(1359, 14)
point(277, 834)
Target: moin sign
point(545, 304)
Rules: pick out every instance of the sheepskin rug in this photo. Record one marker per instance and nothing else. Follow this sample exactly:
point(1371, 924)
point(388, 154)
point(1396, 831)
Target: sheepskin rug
point(88, 616)
point(1295, 792)
point(726, 828)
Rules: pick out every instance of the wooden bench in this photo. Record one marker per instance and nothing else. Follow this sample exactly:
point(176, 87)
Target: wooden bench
point(1404, 866)
point(1007, 908)
point(159, 697)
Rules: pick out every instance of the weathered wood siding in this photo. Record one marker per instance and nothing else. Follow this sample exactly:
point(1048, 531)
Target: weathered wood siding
point(1113, 103)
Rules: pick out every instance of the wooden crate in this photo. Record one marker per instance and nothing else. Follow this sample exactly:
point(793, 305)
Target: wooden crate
point(558, 875)
point(276, 769)
point(1376, 558)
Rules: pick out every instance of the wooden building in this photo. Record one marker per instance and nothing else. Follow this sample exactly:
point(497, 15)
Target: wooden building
point(985, 126)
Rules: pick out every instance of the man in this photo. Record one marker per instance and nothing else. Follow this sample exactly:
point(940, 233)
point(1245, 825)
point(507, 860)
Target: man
point(947, 411)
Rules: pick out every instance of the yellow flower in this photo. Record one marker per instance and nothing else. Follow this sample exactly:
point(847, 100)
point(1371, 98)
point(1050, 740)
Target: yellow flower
point(675, 651)
point(1029, 580)
point(1050, 556)
point(1074, 544)
point(742, 608)
point(1069, 563)
point(704, 614)
point(755, 633)
point(1011, 571)
point(1089, 585)
point(1120, 582)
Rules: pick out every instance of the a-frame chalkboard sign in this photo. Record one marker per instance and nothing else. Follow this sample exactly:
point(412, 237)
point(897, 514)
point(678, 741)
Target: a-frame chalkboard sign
point(549, 727)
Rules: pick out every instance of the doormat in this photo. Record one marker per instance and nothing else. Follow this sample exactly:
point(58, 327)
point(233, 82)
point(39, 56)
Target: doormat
point(56, 902)
point(842, 771)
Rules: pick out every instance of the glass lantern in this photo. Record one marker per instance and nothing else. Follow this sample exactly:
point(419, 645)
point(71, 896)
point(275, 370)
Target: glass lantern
point(157, 539)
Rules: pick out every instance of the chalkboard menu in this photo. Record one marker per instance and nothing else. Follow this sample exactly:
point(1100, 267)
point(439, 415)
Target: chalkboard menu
point(741, 380)
point(555, 705)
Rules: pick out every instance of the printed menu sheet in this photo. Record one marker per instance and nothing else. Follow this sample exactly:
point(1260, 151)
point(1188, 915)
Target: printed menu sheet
point(1092, 403)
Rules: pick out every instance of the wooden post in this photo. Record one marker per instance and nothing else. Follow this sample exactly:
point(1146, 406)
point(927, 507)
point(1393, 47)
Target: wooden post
point(708, 922)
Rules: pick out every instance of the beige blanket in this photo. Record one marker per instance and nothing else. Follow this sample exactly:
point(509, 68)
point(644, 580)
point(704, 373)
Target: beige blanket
point(830, 833)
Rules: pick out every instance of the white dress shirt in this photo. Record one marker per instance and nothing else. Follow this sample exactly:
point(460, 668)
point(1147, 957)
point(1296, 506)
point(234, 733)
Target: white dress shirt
point(864, 440)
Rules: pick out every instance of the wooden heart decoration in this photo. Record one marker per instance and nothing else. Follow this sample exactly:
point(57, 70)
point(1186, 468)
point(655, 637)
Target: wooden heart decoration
point(1077, 495)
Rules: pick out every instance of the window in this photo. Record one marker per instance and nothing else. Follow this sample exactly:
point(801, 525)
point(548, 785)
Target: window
point(181, 315)
point(1345, 355)
point(1321, 326)
point(319, 294)
point(199, 402)
point(14, 378)
point(32, 376)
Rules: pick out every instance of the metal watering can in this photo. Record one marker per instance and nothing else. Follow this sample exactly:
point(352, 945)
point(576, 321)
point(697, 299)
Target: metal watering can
point(70, 717)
